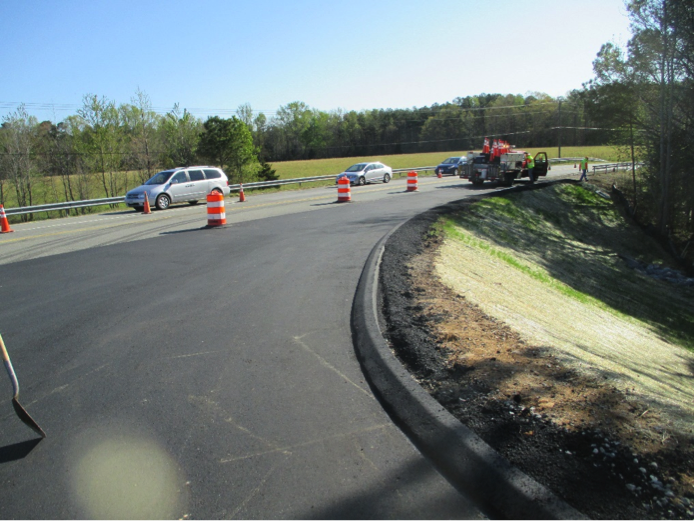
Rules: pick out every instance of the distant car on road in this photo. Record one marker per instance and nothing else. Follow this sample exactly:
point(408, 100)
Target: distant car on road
point(178, 185)
point(448, 166)
point(362, 173)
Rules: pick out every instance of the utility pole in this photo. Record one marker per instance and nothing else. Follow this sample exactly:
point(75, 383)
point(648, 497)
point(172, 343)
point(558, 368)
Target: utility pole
point(559, 130)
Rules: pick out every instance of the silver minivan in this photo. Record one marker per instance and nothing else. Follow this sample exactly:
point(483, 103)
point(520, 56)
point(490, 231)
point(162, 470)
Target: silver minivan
point(178, 185)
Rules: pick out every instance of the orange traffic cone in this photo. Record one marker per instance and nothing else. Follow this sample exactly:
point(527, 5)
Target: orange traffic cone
point(4, 223)
point(439, 174)
point(242, 197)
point(147, 204)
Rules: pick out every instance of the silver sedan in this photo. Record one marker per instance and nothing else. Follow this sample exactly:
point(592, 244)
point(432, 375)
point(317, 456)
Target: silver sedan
point(362, 173)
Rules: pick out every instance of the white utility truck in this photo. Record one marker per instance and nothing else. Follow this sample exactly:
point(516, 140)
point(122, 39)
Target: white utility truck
point(502, 166)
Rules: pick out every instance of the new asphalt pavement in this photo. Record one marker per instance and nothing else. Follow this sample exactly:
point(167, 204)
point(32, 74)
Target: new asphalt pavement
point(184, 372)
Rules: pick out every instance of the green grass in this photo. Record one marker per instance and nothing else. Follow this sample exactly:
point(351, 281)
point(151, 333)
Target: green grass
point(452, 230)
point(316, 167)
point(569, 238)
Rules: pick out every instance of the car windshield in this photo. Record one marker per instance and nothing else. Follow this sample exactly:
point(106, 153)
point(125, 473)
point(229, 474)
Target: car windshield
point(356, 168)
point(159, 178)
point(451, 161)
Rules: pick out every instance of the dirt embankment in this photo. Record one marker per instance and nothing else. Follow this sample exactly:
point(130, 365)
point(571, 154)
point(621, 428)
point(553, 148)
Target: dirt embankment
point(522, 317)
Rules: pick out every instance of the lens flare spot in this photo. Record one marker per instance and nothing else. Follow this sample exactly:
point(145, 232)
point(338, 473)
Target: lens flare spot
point(127, 477)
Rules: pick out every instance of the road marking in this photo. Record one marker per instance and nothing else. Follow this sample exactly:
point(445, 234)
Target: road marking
point(289, 448)
point(362, 455)
point(255, 491)
point(198, 354)
point(66, 232)
point(323, 362)
point(216, 408)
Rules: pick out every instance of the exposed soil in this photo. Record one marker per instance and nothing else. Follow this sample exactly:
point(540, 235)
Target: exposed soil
point(600, 449)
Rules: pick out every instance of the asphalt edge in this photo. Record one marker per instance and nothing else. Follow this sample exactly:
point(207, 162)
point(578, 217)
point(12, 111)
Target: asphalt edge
point(469, 463)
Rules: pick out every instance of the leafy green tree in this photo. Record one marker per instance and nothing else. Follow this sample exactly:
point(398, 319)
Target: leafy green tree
point(651, 88)
point(59, 159)
point(228, 143)
point(179, 134)
point(294, 119)
point(102, 141)
point(266, 172)
point(245, 113)
point(259, 124)
point(17, 158)
point(140, 125)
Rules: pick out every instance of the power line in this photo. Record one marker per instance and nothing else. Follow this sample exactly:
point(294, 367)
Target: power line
point(65, 107)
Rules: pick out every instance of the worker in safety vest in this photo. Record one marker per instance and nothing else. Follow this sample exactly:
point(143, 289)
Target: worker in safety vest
point(584, 166)
point(529, 165)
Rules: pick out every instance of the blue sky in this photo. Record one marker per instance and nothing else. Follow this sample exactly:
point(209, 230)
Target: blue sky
point(211, 56)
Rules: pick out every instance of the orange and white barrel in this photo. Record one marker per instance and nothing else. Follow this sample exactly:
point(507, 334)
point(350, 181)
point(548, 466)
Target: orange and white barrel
point(344, 190)
point(412, 181)
point(216, 215)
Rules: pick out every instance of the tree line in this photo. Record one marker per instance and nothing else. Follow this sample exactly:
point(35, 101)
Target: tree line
point(646, 93)
point(122, 145)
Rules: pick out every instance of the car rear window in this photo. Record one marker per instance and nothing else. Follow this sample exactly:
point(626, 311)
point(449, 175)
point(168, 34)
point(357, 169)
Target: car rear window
point(212, 174)
point(196, 175)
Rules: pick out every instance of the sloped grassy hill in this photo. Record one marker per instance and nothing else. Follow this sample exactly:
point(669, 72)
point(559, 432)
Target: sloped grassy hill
point(555, 265)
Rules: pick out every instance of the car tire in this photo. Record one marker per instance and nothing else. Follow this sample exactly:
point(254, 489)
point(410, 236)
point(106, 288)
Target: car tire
point(162, 202)
point(361, 181)
point(387, 178)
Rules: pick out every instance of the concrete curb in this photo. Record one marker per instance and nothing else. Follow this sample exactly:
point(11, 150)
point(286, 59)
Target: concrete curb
point(459, 454)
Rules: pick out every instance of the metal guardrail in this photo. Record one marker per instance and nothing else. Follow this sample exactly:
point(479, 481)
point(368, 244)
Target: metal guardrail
point(64, 206)
point(615, 166)
point(280, 182)
point(71, 205)
point(572, 159)
point(300, 180)
point(267, 184)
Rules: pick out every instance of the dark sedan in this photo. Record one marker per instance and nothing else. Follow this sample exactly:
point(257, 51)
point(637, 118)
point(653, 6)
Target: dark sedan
point(448, 166)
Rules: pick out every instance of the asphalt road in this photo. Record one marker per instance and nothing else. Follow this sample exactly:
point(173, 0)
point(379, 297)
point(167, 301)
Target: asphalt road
point(185, 372)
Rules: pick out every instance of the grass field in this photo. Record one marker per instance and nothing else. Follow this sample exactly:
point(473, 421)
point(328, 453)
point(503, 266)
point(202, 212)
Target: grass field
point(315, 167)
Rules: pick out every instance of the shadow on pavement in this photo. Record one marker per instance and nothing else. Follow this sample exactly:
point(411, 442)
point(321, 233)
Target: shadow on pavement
point(391, 495)
point(17, 451)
